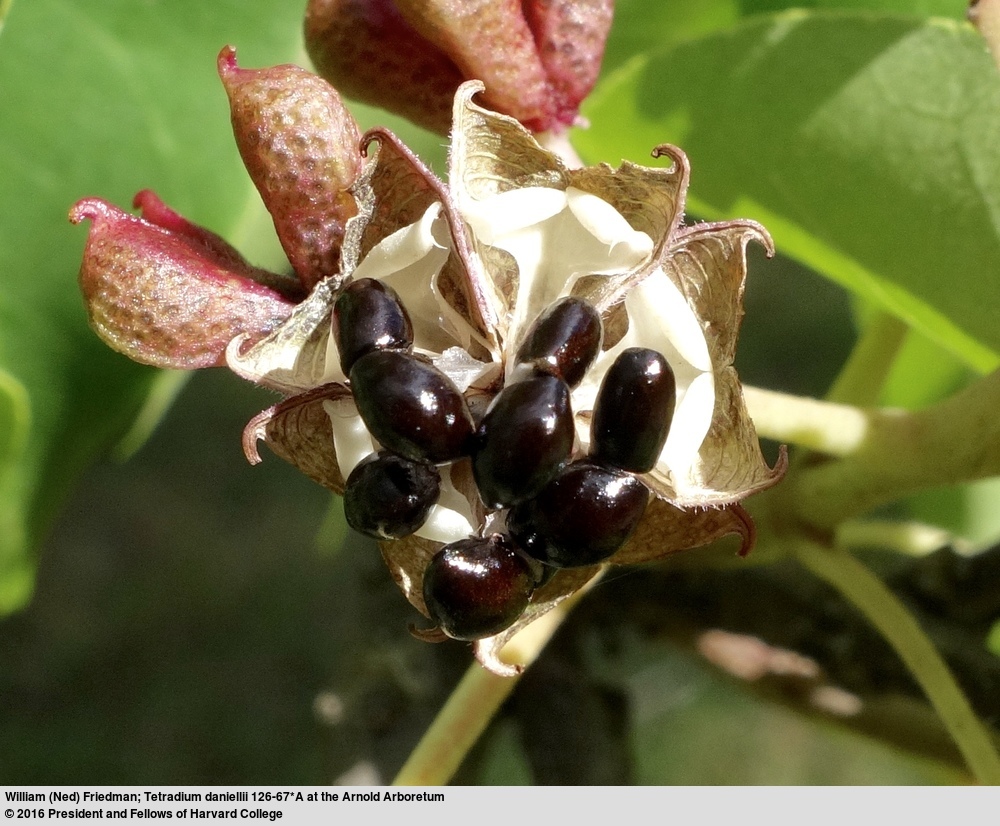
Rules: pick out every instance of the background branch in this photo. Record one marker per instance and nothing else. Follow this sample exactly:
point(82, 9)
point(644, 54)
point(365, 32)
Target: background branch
point(957, 440)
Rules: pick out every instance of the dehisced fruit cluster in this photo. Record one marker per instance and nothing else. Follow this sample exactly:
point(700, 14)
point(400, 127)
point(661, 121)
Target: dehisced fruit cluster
point(560, 512)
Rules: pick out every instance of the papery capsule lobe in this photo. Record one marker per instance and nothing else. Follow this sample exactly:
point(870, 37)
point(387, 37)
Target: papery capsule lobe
point(300, 145)
point(570, 35)
point(411, 407)
point(492, 41)
point(168, 293)
point(633, 410)
point(524, 438)
point(477, 587)
point(567, 336)
point(367, 316)
point(538, 58)
point(368, 50)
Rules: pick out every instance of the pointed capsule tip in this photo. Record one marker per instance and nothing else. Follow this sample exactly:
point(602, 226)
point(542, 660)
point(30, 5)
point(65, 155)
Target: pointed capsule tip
point(145, 198)
point(92, 209)
point(746, 529)
point(155, 211)
point(227, 60)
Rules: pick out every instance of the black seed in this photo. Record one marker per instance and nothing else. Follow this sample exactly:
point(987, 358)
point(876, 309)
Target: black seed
point(566, 336)
point(369, 315)
point(411, 407)
point(388, 496)
point(523, 440)
point(476, 588)
point(581, 517)
point(633, 410)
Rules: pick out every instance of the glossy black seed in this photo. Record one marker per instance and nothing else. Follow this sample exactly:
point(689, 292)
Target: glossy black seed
point(581, 517)
point(476, 588)
point(388, 496)
point(523, 440)
point(369, 315)
point(633, 410)
point(411, 407)
point(566, 336)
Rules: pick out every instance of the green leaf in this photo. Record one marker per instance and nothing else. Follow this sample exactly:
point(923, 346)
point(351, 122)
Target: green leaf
point(865, 143)
point(641, 26)
point(99, 99)
point(922, 374)
point(924, 8)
